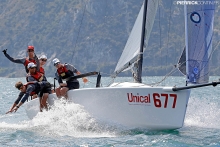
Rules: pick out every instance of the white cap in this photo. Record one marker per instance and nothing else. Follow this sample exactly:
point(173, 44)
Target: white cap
point(43, 57)
point(55, 61)
point(31, 65)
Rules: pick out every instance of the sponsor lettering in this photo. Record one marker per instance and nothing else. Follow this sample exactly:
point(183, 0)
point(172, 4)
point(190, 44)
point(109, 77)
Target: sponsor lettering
point(160, 100)
point(138, 98)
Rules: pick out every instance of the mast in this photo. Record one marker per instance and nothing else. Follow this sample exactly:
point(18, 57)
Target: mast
point(140, 56)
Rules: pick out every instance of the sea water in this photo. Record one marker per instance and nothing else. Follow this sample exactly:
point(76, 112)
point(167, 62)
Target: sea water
point(68, 124)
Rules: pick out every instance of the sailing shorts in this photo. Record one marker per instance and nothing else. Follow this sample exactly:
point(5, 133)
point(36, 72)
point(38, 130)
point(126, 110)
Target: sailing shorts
point(45, 90)
point(73, 85)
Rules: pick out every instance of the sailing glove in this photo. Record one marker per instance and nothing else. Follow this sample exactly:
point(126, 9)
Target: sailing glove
point(4, 51)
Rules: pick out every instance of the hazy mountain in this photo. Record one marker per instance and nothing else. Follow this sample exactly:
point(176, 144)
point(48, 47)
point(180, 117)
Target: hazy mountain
point(91, 34)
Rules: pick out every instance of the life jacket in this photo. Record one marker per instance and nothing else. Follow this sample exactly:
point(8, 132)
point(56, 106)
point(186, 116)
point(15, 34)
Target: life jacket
point(28, 60)
point(64, 72)
point(37, 76)
point(41, 70)
point(33, 92)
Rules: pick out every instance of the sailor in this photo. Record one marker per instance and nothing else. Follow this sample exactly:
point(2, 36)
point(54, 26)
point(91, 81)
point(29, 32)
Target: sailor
point(42, 61)
point(33, 74)
point(64, 72)
point(31, 58)
point(28, 89)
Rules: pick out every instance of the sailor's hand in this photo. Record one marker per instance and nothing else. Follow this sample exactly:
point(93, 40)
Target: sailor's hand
point(15, 109)
point(4, 51)
point(9, 111)
point(85, 80)
point(63, 84)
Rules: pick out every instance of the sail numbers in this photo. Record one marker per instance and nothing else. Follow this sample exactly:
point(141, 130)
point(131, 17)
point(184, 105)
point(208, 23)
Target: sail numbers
point(167, 97)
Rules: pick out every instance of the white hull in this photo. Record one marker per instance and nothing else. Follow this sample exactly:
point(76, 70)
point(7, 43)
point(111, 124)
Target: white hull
point(135, 105)
point(131, 105)
point(33, 107)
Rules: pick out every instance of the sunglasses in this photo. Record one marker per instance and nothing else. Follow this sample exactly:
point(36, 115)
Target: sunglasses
point(32, 67)
point(30, 51)
point(56, 64)
point(45, 60)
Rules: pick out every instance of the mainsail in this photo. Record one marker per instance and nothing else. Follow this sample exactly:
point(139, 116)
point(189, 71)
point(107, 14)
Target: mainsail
point(199, 21)
point(132, 47)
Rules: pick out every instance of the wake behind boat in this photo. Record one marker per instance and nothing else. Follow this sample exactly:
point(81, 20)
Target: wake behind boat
point(136, 105)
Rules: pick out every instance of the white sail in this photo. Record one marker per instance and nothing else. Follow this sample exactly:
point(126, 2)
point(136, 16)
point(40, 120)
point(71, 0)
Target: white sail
point(132, 47)
point(199, 32)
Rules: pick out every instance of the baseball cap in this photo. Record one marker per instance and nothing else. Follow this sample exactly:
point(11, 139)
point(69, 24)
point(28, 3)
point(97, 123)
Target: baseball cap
point(43, 57)
point(55, 61)
point(31, 65)
point(30, 47)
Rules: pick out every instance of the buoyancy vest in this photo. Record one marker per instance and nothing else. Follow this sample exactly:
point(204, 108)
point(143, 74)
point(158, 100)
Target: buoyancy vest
point(64, 72)
point(37, 76)
point(41, 70)
point(29, 83)
point(28, 60)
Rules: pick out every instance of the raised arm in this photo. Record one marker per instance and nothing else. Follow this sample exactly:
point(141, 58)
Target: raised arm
point(37, 62)
point(19, 61)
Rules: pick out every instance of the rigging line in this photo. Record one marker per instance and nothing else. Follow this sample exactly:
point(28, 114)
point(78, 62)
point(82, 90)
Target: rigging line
point(160, 32)
point(215, 48)
point(167, 75)
point(102, 73)
point(79, 31)
point(172, 71)
point(168, 33)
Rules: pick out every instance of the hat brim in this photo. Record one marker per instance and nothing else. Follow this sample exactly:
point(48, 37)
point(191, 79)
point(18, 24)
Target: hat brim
point(56, 63)
point(33, 66)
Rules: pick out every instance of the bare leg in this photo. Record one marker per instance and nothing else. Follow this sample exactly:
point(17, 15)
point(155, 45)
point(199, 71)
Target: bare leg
point(58, 92)
point(34, 96)
point(40, 104)
point(44, 101)
point(63, 91)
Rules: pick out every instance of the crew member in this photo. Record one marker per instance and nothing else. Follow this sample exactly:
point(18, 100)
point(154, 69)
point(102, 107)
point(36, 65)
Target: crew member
point(33, 74)
point(42, 61)
point(31, 58)
point(64, 72)
point(28, 89)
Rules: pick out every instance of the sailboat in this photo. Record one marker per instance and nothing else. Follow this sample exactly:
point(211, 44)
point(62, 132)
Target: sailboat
point(137, 105)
